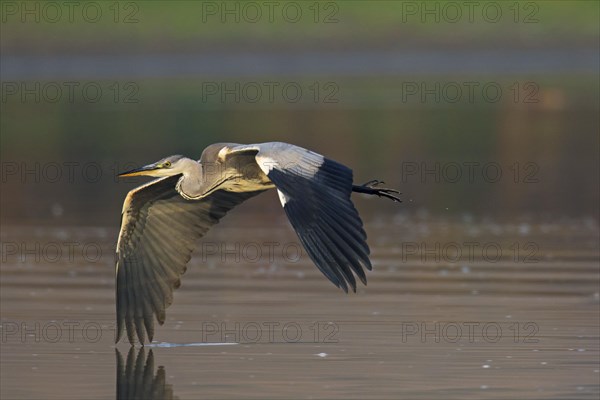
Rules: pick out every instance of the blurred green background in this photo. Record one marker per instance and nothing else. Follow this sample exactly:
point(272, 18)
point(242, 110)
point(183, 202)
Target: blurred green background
point(382, 86)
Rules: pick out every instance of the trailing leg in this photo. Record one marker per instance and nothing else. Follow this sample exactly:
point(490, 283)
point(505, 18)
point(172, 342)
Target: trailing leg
point(370, 188)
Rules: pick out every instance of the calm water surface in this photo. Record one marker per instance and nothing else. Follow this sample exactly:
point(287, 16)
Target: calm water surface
point(456, 308)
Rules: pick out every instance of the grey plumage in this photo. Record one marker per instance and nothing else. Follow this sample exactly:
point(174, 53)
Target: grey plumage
point(163, 219)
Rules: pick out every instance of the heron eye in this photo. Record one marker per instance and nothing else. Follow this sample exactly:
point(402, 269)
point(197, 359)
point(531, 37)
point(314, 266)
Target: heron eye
point(167, 164)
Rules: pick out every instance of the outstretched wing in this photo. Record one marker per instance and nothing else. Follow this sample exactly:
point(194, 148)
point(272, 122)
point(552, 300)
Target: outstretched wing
point(315, 194)
point(159, 229)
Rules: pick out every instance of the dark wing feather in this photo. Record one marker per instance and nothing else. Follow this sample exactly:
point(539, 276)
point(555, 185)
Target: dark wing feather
point(159, 231)
point(315, 193)
point(137, 379)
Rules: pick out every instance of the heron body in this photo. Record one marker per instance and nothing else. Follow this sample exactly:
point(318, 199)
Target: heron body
point(163, 219)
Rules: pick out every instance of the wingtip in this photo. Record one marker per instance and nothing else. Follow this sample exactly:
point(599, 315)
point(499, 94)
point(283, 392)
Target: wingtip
point(363, 279)
point(118, 334)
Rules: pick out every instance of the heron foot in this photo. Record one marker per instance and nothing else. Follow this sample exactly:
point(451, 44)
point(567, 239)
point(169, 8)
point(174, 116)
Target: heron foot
point(371, 188)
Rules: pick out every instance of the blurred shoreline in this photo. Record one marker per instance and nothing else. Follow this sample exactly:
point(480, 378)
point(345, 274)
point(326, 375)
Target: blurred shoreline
point(263, 63)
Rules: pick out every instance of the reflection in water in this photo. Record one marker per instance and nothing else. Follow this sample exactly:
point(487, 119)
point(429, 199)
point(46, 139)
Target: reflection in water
point(136, 380)
point(446, 158)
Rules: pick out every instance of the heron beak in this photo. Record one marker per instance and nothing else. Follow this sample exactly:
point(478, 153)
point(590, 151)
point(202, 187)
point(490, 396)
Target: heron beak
point(145, 170)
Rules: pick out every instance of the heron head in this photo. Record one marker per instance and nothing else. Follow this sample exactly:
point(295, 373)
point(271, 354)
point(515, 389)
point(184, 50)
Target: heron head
point(168, 166)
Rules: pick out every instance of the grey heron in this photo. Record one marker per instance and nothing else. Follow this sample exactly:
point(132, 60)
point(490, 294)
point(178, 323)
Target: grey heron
point(162, 220)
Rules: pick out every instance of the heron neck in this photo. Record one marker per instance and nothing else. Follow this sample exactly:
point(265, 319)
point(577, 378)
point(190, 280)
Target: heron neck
point(190, 184)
